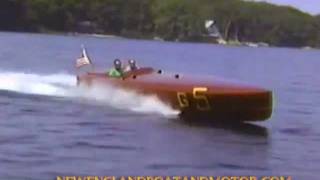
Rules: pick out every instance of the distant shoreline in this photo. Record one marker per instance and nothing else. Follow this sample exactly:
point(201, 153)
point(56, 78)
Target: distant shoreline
point(237, 22)
point(105, 36)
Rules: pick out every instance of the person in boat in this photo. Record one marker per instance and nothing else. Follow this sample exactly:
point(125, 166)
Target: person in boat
point(132, 65)
point(116, 71)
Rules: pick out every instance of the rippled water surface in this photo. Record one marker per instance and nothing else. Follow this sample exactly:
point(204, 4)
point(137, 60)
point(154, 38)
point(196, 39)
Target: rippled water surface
point(48, 129)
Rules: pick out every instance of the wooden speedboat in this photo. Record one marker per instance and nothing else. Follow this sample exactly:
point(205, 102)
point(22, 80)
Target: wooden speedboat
point(200, 98)
point(195, 97)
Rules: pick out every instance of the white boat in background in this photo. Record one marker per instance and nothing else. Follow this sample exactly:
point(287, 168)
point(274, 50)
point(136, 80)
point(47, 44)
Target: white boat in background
point(251, 44)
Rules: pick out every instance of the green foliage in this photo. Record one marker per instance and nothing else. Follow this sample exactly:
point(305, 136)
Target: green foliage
point(178, 18)
point(169, 19)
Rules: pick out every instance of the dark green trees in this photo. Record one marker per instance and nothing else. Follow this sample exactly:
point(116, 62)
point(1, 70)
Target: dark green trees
point(169, 19)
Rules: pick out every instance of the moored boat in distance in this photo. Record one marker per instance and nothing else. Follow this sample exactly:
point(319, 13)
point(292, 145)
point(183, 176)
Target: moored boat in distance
point(197, 98)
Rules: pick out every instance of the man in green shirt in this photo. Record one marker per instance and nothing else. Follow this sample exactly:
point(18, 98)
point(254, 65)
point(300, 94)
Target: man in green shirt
point(116, 71)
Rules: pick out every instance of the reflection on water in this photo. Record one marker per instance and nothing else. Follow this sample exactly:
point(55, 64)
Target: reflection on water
point(218, 148)
point(241, 128)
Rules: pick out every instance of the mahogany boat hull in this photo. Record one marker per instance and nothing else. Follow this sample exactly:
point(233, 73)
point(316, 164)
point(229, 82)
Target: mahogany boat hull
point(196, 98)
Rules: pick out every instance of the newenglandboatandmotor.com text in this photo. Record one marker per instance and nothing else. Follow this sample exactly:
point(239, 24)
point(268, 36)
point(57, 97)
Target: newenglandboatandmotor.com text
point(174, 178)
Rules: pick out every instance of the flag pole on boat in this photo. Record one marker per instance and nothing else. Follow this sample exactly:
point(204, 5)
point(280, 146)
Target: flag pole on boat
point(84, 59)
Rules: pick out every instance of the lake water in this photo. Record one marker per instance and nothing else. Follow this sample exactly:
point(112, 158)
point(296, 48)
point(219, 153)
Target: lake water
point(48, 130)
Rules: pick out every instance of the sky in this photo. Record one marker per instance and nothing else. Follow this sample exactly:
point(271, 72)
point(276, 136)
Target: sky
point(310, 6)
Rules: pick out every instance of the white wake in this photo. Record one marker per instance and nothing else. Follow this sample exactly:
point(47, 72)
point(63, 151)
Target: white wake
point(64, 85)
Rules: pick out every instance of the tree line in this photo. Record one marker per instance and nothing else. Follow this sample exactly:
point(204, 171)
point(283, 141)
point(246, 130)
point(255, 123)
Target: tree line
point(168, 19)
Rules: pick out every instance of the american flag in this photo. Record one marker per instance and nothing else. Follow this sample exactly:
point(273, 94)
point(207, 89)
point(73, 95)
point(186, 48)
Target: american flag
point(83, 60)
